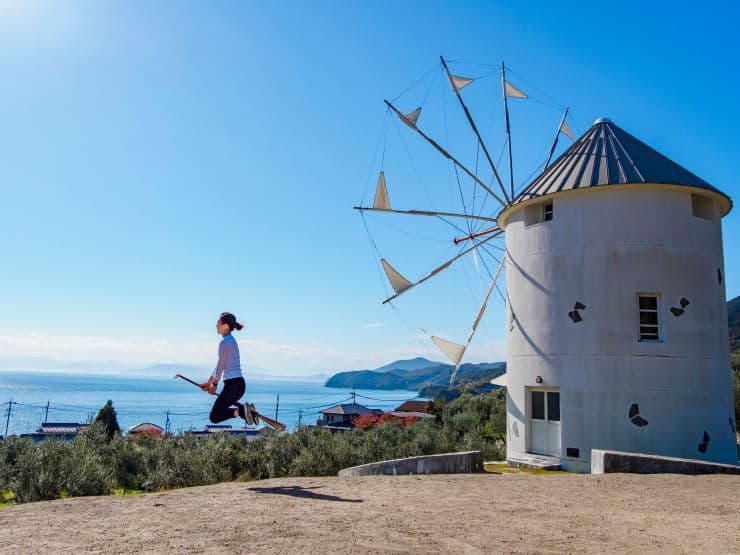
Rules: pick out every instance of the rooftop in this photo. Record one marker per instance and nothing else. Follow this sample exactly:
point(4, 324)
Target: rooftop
point(607, 155)
point(59, 428)
point(145, 427)
point(350, 408)
point(412, 406)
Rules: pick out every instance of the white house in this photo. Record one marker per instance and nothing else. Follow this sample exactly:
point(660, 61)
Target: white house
point(617, 326)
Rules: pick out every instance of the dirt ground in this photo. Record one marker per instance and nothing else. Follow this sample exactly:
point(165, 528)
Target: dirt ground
point(410, 514)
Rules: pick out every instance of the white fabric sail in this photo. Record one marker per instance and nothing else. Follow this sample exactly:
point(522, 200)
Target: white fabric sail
point(478, 317)
point(484, 305)
point(566, 131)
point(412, 117)
point(500, 381)
point(398, 282)
point(512, 92)
point(453, 351)
point(381, 201)
point(460, 83)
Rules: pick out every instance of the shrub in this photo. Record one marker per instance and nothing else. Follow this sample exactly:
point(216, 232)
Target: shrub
point(107, 415)
point(322, 453)
point(367, 421)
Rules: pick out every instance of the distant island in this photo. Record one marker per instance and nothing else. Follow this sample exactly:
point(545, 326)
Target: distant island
point(430, 378)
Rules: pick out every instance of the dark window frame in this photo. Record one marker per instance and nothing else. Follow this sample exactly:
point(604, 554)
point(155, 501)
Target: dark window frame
point(648, 318)
point(547, 211)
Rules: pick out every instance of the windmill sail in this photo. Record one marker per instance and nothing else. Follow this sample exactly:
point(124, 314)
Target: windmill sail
point(446, 265)
point(459, 83)
point(565, 130)
point(453, 351)
point(381, 201)
point(477, 318)
point(398, 282)
point(512, 92)
point(442, 151)
point(412, 117)
point(430, 213)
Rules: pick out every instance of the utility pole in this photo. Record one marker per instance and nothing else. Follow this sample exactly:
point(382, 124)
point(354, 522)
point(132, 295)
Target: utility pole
point(7, 422)
point(46, 416)
point(300, 414)
point(277, 406)
point(167, 423)
point(354, 398)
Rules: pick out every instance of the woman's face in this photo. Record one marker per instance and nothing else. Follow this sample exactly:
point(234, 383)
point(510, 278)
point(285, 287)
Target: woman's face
point(222, 329)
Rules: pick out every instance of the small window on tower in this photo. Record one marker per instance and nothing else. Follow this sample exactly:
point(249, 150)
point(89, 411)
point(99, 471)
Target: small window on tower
point(547, 211)
point(538, 213)
point(702, 207)
point(649, 326)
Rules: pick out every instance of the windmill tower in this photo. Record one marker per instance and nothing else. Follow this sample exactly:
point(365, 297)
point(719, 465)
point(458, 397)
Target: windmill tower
point(617, 326)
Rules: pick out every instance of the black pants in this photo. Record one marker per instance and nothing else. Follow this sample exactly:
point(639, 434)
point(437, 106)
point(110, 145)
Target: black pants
point(223, 408)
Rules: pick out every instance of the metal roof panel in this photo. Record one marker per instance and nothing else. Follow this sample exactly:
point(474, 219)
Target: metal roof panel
point(608, 155)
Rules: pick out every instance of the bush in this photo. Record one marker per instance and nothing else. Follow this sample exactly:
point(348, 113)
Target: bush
point(107, 415)
point(321, 453)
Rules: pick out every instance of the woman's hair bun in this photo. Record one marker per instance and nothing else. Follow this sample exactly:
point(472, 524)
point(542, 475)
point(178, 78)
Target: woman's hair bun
point(230, 320)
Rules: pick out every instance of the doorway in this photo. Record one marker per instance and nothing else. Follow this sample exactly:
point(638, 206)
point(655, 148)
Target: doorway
point(544, 422)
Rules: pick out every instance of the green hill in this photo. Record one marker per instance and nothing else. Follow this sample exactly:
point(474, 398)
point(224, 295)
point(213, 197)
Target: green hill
point(435, 375)
point(733, 320)
point(367, 379)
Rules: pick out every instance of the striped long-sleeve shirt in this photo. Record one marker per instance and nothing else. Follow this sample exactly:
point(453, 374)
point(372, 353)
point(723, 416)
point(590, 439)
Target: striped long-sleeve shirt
point(228, 365)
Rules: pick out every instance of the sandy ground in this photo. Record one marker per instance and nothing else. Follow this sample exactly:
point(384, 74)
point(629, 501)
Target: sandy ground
point(409, 514)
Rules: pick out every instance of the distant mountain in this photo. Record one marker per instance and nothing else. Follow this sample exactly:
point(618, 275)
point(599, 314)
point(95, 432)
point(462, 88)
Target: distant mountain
point(173, 368)
point(733, 321)
point(367, 379)
point(415, 376)
point(411, 364)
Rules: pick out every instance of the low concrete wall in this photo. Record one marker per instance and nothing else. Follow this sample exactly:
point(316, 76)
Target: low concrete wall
point(446, 463)
point(603, 462)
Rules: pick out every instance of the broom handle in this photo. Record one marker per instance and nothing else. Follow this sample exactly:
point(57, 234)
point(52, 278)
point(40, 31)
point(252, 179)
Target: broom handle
point(187, 380)
point(274, 423)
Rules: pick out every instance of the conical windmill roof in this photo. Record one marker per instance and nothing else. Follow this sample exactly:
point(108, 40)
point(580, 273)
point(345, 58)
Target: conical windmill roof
point(607, 155)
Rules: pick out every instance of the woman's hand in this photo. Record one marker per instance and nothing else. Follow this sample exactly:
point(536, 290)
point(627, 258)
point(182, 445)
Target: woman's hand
point(209, 386)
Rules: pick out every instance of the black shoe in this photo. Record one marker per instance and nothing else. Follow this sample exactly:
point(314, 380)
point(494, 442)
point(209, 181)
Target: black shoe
point(251, 412)
point(244, 413)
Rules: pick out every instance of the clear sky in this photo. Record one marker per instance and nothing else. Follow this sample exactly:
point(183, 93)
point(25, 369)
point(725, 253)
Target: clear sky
point(163, 161)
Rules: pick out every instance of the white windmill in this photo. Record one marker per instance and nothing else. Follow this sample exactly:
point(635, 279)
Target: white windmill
point(615, 301)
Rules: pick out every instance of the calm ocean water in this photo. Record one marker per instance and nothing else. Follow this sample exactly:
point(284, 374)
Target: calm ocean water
point(75, 398)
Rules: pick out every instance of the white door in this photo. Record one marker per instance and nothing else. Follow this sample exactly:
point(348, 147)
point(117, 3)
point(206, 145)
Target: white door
point(544, 422)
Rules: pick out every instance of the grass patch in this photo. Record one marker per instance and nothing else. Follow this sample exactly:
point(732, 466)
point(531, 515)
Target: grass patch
point(504, 468)
point(120, 492)
point(6, 498)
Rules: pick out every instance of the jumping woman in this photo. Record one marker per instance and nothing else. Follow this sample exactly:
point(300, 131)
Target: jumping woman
point(227, 403)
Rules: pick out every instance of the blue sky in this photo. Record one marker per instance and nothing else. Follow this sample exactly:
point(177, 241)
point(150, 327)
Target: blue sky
point(165, 161)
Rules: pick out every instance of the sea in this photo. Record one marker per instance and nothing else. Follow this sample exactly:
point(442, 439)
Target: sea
point(172, 404)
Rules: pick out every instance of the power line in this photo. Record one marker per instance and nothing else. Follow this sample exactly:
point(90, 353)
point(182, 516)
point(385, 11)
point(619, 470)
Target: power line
point(7, 422)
